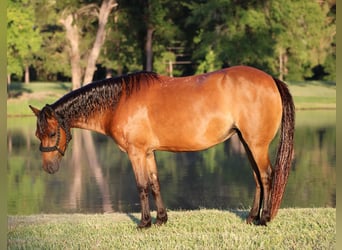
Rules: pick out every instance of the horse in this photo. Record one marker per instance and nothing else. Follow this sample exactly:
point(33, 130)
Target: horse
point(144, 112)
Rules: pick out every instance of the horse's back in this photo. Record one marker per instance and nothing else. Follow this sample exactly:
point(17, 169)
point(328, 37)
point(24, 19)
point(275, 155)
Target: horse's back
point(197, 112)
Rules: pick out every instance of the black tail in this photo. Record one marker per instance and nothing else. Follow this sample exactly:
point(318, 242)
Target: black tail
point(285, 148)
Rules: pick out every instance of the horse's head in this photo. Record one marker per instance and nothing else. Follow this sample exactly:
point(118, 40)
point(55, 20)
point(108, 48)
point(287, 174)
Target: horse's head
point(53, 135)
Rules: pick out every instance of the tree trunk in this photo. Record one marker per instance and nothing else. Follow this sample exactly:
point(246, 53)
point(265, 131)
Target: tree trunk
point(280, 58)
point(283, 58)
point(148, 49)
point(27, 74)
point(73, 37)
point(105, 9)
point(170, 68)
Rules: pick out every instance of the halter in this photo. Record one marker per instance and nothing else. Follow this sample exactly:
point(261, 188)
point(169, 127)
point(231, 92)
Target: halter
point(55, 147)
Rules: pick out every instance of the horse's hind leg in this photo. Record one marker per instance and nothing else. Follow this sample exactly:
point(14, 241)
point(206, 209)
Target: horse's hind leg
point(155, 186)
point(264, 174)
point(254, 214)
point(259, 159)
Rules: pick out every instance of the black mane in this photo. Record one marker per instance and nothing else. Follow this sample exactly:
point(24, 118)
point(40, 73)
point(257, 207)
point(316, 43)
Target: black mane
point(99, 95)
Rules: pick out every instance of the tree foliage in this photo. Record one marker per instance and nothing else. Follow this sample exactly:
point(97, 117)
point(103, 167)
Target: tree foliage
point(23, 36)
point(293, 40)
point(287, 38)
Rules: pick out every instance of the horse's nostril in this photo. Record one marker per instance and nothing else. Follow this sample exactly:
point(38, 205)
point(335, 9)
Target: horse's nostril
point(51, 167)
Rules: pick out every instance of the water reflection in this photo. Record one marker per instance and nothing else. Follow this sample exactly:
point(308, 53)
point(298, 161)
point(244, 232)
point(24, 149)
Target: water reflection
point(96, 177)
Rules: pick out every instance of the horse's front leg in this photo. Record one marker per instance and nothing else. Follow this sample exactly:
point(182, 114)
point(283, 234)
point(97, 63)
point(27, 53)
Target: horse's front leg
point(155, 186)
point(138, 160)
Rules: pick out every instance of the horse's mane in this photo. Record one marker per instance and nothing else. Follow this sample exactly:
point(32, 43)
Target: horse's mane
point(100, 95)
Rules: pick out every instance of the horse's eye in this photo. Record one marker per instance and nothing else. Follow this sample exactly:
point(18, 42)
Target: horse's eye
point(52, 134)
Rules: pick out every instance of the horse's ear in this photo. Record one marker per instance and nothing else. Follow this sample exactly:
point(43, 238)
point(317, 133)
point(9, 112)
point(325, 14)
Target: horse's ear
point(35, 110)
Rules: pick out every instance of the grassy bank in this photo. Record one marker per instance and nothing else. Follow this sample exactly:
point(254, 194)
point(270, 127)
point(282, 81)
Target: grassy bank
point(37, 94)
point(314, 95)
point(313, 228)
point(307, 95)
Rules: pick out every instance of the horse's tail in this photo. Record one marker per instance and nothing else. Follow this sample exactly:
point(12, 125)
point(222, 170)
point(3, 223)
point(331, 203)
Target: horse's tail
point(285, 151)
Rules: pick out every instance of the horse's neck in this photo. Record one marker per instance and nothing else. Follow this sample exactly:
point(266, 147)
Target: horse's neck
point(83, 120)
point(82, 110)
point(94, 123)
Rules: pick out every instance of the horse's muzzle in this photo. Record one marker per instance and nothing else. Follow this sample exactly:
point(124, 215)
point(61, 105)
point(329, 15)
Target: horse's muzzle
point(51, 167)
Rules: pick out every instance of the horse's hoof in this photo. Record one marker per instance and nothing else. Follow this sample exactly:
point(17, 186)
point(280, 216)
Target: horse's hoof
point(252, 219)
point(160, 221)
point(144, 224)
point(249, 220)
point(262, 223)
point(264, 219)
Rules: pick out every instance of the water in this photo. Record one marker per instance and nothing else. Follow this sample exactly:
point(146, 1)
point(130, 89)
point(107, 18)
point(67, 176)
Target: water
point(96, 177)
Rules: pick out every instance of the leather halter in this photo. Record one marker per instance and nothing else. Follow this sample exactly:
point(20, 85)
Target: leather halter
point(55, 147)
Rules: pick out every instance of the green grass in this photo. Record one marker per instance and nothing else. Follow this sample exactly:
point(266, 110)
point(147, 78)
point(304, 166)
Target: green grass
point(315, 118)
point(37, 94)
point(314, 95)
point(307, 95)
point(310, 228)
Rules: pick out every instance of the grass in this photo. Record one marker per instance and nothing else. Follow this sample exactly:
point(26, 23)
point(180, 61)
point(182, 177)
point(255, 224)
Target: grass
point(309, 228)
point(307, 95)
point(314, 95)
point(37, 94)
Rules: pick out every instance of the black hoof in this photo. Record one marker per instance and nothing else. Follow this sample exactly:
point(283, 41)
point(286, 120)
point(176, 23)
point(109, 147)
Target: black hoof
point(252, 219)
point(161, 220)
point(262, 223)
point(265, 217)
point(144, 224)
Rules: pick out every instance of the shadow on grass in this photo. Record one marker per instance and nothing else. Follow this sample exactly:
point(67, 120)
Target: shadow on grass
point(17, 89)
point(242, 214)
point(136, 220)
point(133, 218)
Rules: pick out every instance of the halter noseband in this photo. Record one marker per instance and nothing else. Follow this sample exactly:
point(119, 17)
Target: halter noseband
point(55, 147)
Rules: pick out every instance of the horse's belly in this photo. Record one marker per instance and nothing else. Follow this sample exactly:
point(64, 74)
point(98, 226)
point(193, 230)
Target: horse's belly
point(195, 134)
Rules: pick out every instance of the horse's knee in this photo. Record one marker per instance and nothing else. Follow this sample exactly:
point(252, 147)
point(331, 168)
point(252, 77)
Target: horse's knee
point(143, 192)
point(154, 182)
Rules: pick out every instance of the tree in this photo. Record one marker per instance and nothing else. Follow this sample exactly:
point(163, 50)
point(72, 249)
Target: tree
point(71, 22)
point(232, 33)
point(285, 38)
point(72, 35)
point(302, 36)
point(289, 39)
point(142, 34)
point(104, 11)
point(23, 38)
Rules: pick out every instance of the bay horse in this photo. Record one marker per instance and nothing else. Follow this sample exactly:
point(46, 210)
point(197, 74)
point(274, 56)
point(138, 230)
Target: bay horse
point(144, 112)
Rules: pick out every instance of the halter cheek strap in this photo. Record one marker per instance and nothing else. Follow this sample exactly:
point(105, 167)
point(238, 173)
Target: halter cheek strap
point(55, 147)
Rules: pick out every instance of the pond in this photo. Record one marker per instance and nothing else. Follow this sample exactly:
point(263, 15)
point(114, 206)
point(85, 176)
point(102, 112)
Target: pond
point(96, 177)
